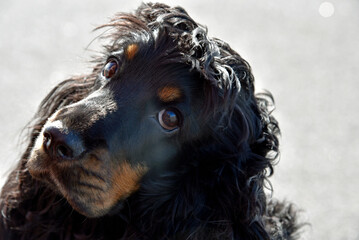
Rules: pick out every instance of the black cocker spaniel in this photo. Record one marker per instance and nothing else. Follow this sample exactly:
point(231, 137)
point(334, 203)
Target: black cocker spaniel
point(165, 139)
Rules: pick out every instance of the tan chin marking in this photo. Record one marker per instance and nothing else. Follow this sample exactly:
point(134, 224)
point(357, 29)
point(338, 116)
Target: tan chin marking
point(124, 181)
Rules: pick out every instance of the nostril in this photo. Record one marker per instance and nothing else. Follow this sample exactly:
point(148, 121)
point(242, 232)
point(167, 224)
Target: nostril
point(64, 151)
point(47, 140)
point(61, 143)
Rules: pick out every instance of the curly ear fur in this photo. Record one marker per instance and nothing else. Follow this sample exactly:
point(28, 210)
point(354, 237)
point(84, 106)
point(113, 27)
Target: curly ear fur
point(217, 192)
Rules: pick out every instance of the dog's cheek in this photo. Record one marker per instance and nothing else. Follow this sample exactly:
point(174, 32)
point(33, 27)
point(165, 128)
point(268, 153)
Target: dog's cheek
point(160, 155)
point(126, 180)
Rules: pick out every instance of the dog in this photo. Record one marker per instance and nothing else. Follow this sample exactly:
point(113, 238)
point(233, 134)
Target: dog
point(164, 139)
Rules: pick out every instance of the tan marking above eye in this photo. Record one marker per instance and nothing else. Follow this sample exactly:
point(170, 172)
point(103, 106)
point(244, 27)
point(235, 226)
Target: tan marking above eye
point(131, 51)
point(169, 94)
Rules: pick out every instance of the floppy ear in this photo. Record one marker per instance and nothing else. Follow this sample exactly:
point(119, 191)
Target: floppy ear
point(249, 113)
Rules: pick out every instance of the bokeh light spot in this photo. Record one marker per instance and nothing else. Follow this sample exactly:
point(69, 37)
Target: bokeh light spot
point(326, 9)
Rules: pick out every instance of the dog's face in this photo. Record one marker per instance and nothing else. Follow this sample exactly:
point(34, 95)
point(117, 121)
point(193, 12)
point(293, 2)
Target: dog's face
point(95, 152)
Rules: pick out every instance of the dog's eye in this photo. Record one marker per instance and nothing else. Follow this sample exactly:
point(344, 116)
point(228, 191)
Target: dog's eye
point(169, 119)
point(110, 68)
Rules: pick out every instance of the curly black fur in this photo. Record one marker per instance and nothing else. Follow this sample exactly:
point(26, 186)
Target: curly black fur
point(214, 188)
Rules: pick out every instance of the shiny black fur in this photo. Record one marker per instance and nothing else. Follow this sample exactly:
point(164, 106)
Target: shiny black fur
point(209, 185)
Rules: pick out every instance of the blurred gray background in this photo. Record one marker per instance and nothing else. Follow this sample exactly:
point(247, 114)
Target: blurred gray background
point(304, 51)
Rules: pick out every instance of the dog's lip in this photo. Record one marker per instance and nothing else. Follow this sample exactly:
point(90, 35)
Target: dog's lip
point(73, 188)
point(41, 159)
point(86, 184)
point(40, 165)
point(44, 168)
point(83, 195)
point(37, 162)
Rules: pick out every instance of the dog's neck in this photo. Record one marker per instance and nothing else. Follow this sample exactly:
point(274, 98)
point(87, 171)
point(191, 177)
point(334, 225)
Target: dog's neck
point(196, 199)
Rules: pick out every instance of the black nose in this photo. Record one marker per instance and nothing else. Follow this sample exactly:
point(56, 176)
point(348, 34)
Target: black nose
point(62, 144)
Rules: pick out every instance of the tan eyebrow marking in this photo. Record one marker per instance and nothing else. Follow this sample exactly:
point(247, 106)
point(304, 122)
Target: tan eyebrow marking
point(131, 51)
point(169, 93)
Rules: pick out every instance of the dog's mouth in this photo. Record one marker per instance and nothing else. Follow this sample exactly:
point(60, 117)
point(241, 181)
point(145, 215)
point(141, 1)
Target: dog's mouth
point(92, 184)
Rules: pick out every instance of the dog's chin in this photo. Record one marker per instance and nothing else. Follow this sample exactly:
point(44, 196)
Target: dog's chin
point(89, 200)
point(93, 210)
point(85, 197)
point(89, 205)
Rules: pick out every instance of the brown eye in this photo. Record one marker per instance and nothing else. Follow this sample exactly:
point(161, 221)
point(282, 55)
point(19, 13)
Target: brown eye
point(110, 68)
point(169, 119)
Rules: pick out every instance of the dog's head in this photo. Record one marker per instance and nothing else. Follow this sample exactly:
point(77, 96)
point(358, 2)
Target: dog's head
point(162, 91)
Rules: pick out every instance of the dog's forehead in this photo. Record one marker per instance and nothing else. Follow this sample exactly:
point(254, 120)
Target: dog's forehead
point(148, 66)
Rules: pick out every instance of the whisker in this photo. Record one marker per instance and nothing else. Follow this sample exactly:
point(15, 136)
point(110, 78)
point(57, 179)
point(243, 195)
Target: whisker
point(92, 174)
